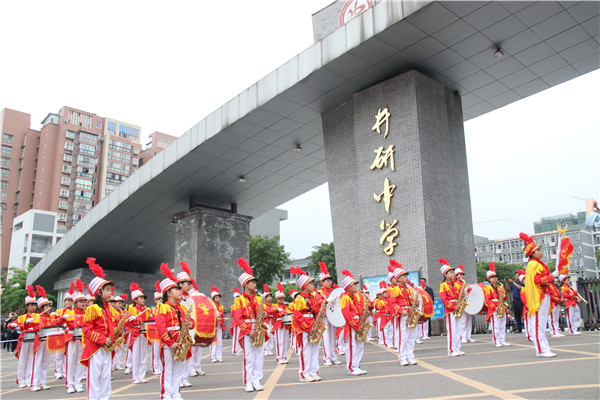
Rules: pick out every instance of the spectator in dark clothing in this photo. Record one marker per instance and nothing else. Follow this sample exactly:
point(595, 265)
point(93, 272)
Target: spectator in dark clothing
point(430, 293)
point(517, 304)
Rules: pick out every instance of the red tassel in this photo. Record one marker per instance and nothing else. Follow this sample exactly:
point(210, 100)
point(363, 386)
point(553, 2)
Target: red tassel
point(266, 288)
point(185, 268)
point(444, 261)
point(323, 268)
point(133, 286)
point(390, 268)
point(40, 291)
point(395, 264)
point(296, 271)
point(492, 266)
point(236, 290)
point(164, 268)
point(280, 287)
point(521, 272)
point(461, 267)
point(525, 237)
point(72, 289)
point(30, 291)
point(245, 266)
point(347, 273)
point(80, 285)
point(157, 286)
point(194, 284)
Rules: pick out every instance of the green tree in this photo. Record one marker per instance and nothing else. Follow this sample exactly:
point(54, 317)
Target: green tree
point(324, 253)
point(597, 257)
point(14, 293)
point(503, 270)
point(268, 259)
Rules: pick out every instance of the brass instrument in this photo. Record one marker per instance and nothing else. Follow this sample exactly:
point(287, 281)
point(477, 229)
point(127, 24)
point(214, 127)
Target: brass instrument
point(414, 314)
point(184, 339)
point(364, 326)
point(580, 299)
point(318, 328)
point(119, 334)
point(260, 327)
point(502, 306)
point(461, 303)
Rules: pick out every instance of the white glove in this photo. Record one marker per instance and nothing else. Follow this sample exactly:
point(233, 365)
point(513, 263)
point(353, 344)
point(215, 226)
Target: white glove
point(53, 313)
point(29, 320)
point(555, 274)
point(132, 318)
point(65, 317)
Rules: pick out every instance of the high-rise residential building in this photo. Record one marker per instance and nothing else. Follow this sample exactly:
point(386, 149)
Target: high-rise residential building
point(157, 142)
point(67, 167)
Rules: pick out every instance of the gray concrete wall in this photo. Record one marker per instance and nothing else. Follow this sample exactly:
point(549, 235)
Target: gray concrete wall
point(431, 201)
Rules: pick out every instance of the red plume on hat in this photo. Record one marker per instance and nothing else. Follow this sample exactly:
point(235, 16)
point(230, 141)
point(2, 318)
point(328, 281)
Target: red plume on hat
point(80, 286)
point(365, 287)
point(395, 264)
point(133, 286)
point(90, 261)
point(72, 289)
point(194, 284)
point(347, 273)
point(323, 267)
point(492, 266)
point(185, 268)
point(242, 262)
point(236, 290)
point(40, 291)
point(164, 268)
point(525, 238)
point(422, 284)
point(390, 268)
point(157, 286)
point(335, 286)
point(266, 288)
point(30, 291)
point(123, 296)
point(521, 272)
point(296, 271)
point(461, 267)
point(96, 269)
point(214, 289)
point(443, 261)
point(280, 287)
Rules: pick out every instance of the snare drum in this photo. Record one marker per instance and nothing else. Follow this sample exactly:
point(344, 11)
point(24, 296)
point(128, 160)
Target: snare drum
point(50, 330)
point(144, 326)
point(286, 319)
point(29, 336)
point(476, 299)
point(78, 333)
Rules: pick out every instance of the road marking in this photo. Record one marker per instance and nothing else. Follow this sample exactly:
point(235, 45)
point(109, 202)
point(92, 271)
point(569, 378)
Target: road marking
point(559, 348)
point(554, 360)
point(119, 390)
point(567, 387)
point(273, 379)
point(490, 390)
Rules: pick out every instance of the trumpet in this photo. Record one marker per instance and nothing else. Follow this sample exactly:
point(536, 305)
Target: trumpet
point(581, 299)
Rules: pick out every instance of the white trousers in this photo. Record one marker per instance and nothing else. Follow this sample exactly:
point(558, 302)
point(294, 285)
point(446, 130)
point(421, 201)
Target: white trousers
point(216, 348)
point(128, 354)
point(235, 347)
point(271, 342)
point(396, 338)
point(156, 364)
point(25, 366)
point(465, 326)
point(424, 330)
point(354, 351)
point(370, 333)
point(328, 341)
point(554, 320)
point(527, 328)
point(406, 339)
point(308, 357)
point(573, 313)
point(171, 374)
point(98, 380)
point(498, 329)
point(341, 345)
point(75, 370)
point(294, 343)
point(60, 367)
point(254, 358)
point(282, 337)
point(116, 362)
point(139, 358)
point(537, 326)
point(196, 358)
point(41, 360)
point(453, 333)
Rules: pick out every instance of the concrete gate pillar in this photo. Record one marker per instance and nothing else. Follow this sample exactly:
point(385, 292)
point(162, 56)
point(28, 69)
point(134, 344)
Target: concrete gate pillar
point(211, 241)
point(398, 182)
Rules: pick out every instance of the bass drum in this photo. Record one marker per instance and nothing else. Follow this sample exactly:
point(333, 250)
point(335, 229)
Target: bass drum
point(425, 306)
point(205, 315)
point(334, 310)
point(475, 299)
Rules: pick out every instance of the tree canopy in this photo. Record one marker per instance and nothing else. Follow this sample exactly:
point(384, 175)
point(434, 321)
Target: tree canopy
point(325, 252)
point(14, 292)
point(268, 259)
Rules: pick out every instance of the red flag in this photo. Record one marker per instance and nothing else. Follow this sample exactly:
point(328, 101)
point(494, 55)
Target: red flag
point(566, 250)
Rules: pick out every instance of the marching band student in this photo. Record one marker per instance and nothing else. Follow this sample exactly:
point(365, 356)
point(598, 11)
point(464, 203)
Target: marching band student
point(392, 292)
point(556, 300)
point(156, 364)
point(98, 331)
point(119, 313)
point(41, 354)
point(329, 356)
point(169, 319)
point(424, 331)
point(246, 311)
point(495, 295)
point(524, 301)
point(306, 308)
point(234, 330)
point(216, 348)
point(449, 296)
point(280, 330)
point(195, 362)
point(388, 326)
point(24, 350)
point(74, 350)
point(270, 310)
point(407, 336)
point(294, 332)
point(572, 299)
point(537, 279)
point(465, 323)
point(138, 314)
point(352, 303)
point(380, 311)
point(60, 368)
point(370, 317)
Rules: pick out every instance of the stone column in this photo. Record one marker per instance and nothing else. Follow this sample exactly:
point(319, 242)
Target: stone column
point(429, 208)
point(211, 241)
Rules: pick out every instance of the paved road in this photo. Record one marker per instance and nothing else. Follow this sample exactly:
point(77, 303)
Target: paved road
point(485, 372)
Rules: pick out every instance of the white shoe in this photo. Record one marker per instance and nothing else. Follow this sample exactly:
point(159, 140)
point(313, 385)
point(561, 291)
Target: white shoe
point(193, 373)
point(167, 397)
point(119, 368)
point(576, 333)
point(316, 377)
point(70, 389)
point(327, 363)
point(404, 362)
point(419, 341)
point(505, 344)
point(389, 346)
point(177, 396)
point(412, 361)
point(144, 380)
point(546, 354)
point(471, 341)
point(337, 362)
point(79, 389)
point(127, 371)
point(249, 388)
point(463, 341)
point(136, 382)
point(180, 385)
point(362, 371)
point(186, 383)
point(454, 354)
point(307, 379)
point(213, 360)
point(200, 372)
point(355, 372)
point(219, 359)
point(497, 345)
point(22, 385)
point(258, 387)
point(156, 373)
point(426, 338)
point(341, 352)
point(462, 353)
point(45, 387)
point(35, 388)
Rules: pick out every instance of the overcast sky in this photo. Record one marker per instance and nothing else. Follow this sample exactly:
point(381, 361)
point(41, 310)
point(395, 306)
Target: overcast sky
point(167, 65)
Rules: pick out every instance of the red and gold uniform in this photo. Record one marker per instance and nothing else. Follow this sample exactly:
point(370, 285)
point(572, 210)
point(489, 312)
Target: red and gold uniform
point(24, 350)
point(494, 296)
point(554, 317)
point(74, 351)
point(306, 307)
point(271, 310)
point(449, 297)
point(281, 331)
point(98, 325)
point(406, 336)
point(60, 368)
point(138, 342)
point(216, 348)
point(352, 304)
point(571, 307)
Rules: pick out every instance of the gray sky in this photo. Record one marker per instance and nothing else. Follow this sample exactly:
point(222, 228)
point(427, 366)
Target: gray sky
point(166, 65)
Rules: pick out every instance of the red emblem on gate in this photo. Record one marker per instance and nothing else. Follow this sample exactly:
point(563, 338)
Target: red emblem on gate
point(352, 8)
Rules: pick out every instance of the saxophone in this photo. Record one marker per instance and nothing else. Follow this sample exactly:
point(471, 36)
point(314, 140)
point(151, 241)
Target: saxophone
point(260, 326)
point(364, 326)
point(318, 328)
point(119, 335)
point(184, 339)
point(414, 314)
point(501, 310)
point(461, 303)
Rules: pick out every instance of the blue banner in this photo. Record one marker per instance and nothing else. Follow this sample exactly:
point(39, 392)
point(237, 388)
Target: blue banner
point(438, 309)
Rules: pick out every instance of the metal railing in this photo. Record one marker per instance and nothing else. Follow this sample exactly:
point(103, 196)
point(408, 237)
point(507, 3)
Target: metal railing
point(589, 289)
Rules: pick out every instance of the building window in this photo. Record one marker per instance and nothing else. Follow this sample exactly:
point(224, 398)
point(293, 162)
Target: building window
point(118, 145)
point(70, 134)
point(128, 131)
point(7, 138)
point(63, 204)
point(64, 193)
point(83, 183)
point(88, 137)
point(6, 149)
point(5, 161)
point(65, 180)
point(3, 184)
point(62, 217)
point(67, 157)
point(87, 149)
point(98, 125)
point(4, 172)
point(66, 169)
point(3, 196)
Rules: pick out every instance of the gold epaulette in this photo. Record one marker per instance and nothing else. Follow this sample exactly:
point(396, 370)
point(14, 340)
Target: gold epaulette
point(93, 312)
